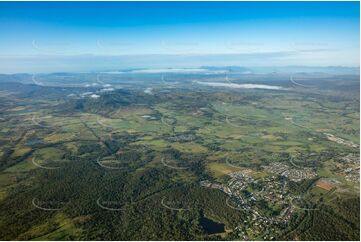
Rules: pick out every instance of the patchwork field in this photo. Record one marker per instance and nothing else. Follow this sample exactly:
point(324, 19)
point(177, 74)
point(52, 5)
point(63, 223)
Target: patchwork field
point(171, 164)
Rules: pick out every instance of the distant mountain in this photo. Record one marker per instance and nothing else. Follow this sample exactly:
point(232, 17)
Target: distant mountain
point(335, 70)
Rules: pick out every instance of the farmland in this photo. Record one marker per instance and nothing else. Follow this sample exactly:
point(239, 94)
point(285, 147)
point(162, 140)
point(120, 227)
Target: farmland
point(79, 166)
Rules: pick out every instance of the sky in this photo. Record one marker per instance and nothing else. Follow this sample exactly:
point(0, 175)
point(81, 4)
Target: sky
point(94, 36)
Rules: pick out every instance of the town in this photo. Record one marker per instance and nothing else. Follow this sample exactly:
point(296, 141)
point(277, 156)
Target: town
point(294, 174)
point(266, 200)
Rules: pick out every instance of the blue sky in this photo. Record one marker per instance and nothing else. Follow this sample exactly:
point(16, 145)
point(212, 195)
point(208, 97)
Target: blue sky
point(38, 36)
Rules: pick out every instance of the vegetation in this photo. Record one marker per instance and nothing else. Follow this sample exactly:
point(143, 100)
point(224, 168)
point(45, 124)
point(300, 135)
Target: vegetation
point(128, 165)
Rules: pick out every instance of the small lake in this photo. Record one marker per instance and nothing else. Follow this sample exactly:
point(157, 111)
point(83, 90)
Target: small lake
point(210, 226)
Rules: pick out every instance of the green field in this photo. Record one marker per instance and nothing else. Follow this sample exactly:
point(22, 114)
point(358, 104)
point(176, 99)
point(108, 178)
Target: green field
point(130, 166)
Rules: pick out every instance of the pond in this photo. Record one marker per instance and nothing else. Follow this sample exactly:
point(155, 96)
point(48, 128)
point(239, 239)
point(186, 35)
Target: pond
point(210, 226)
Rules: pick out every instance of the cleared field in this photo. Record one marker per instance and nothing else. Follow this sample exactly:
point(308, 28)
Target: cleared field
point(132, 150)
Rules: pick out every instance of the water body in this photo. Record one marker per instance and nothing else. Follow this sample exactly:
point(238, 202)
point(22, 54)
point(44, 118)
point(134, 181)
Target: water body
point(210, 226)
point(244, 86)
